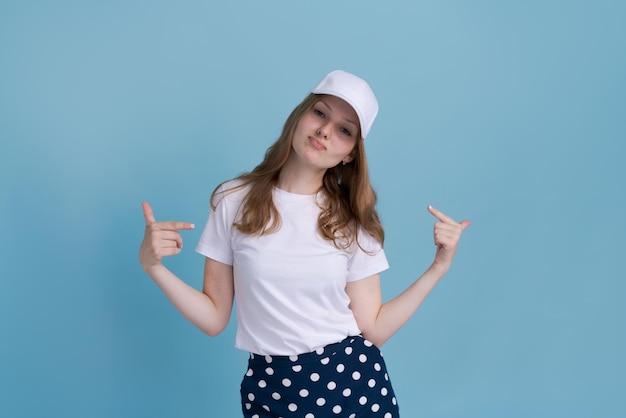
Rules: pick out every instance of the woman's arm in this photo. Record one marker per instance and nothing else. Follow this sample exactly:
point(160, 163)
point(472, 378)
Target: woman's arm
point(378, 321)
point(210, 309)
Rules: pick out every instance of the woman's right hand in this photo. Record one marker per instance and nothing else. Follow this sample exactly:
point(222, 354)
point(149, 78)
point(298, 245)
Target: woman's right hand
point(161, 239)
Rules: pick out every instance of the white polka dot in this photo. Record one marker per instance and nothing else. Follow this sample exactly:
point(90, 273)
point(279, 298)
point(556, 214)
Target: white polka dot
point(315, 377)
point(371, 383)
point(346, 392)
point(267, 408)
point(249, 372)
point(375, 407)
point(269, 371)
point(362, 358)
point(320, 351)
point(286, 382)
point(388, 415)
point(276, 396)
point(393, 400)
point(293, 358)
point(348, 350)
point(386, 377)
point(304, 393)
point(325, 360)
point(255, 416)
point(251, 397)
point(367, 343)
point(352, 416)
point(292, 407)
point(356, 375)
point(331, 385)
point(296, 368)
point(320, 401)
point(337, 409)
point(248, 405)
point(309, 415)
point(268, 359)
point(340, 368)
point(383, 391)
point(363, 400)
point(377, 367)
point(262, 383)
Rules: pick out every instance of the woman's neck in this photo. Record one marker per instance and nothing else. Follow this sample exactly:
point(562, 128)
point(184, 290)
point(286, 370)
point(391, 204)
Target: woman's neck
point(296, 179)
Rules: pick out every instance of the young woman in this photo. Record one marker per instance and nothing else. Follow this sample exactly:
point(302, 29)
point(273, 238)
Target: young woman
point(298, 243)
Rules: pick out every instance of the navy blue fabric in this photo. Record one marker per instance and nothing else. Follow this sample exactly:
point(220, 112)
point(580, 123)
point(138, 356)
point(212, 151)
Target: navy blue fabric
point(347, 379)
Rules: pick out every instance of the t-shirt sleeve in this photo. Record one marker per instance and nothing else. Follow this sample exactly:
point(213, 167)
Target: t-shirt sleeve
point(215, 241)
point(367, 259)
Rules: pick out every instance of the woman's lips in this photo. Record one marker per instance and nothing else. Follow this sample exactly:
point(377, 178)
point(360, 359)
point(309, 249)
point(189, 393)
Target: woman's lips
point(316, 143)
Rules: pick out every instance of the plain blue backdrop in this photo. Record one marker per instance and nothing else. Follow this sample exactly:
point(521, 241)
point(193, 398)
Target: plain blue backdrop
point(510, 114)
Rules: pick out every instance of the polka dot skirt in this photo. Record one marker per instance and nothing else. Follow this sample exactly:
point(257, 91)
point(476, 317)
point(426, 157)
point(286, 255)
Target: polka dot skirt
point(346, 379)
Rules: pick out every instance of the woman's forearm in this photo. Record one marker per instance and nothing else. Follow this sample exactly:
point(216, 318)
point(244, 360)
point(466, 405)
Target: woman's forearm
point(381, 321)
point(393, 314)
point(196, 306)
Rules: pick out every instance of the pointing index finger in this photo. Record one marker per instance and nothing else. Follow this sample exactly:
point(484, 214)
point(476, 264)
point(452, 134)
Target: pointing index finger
point(441, 216)
point(175, 225)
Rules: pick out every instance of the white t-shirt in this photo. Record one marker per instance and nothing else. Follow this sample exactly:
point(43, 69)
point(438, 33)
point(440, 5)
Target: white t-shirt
point(289, 285)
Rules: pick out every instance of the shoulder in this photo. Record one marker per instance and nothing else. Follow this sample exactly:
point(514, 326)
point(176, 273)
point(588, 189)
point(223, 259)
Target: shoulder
point(230, 192)
point(366, 242)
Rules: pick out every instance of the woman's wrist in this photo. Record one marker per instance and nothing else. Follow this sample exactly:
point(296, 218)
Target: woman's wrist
point(439, 269)
point(153, 269)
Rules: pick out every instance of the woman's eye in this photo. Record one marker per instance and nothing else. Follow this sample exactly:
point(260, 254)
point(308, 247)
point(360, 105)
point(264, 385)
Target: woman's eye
point(346, 132)
point(318, 113)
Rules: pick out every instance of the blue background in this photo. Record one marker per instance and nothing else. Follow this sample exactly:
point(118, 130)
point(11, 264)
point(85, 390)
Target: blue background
point(510, 114)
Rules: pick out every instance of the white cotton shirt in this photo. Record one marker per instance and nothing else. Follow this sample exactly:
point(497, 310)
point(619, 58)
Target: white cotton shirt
point(289, 285)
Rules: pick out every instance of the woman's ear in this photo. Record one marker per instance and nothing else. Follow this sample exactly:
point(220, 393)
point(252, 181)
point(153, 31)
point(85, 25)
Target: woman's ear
point(348, 158)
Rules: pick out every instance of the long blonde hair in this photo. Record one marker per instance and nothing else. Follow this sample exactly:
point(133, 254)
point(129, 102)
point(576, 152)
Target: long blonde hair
point(349, 198)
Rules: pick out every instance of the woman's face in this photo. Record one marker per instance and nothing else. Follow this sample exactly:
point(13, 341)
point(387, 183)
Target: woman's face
point(326, 134)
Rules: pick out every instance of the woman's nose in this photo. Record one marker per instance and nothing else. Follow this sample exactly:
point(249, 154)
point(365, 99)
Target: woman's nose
point(322, 131)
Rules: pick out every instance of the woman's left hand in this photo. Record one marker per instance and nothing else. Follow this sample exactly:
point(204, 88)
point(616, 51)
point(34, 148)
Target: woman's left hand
point(447, 233)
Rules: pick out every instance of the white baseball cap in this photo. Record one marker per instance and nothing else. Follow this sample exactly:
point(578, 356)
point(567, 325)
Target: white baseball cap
point(353, 90)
